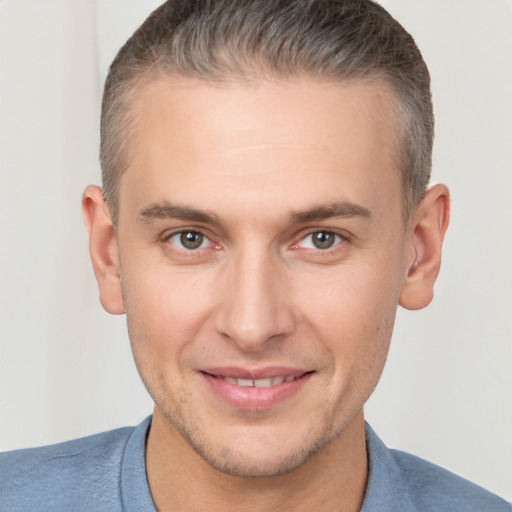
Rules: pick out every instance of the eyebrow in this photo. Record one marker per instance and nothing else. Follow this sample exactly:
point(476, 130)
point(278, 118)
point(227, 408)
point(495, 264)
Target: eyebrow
point(170, 211)
point(167, 210)
point(342, 209)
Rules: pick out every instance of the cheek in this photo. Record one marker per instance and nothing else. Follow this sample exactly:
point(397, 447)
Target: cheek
point(353, 312)
point(165, 313)
point(165, 310)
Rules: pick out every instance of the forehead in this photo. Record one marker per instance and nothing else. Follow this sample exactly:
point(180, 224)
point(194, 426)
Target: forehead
point(194, 140)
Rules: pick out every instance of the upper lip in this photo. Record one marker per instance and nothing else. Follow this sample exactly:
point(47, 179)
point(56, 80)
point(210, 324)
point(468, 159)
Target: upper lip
point(237, 372)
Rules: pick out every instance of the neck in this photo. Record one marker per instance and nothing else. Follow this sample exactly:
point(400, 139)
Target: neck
point(334, 479)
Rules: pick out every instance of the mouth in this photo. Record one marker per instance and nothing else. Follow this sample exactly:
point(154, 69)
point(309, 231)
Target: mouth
point(258, 383)
point(255, 390)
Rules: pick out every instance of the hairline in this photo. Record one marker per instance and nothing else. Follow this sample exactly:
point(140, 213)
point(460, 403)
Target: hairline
point(154, 74)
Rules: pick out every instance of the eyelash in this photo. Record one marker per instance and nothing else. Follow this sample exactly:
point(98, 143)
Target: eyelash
point(339, 239)
point(205, 242)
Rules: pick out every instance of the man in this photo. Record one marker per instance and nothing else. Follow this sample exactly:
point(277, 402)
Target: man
point(264, 210)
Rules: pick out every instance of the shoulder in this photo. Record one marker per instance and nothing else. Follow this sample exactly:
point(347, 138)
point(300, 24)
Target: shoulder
point(436, 488)
point(398, 481)
point(65, 476)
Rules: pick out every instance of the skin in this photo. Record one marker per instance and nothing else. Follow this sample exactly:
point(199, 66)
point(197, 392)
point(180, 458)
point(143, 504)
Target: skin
point(256, 170)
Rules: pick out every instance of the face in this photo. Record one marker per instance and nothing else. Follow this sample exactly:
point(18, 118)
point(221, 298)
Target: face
point(261, 245)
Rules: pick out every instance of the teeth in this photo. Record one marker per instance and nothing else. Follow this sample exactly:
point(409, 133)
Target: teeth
point(259, 383)
point(245, 382)
point(263, 383)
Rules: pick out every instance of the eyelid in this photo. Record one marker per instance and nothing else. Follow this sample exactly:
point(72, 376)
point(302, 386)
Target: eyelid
point(204, 241)
point(167, 235)
point(342, 235)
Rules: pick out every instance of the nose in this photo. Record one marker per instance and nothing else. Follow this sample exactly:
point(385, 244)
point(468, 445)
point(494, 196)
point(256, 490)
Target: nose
point(256, 305)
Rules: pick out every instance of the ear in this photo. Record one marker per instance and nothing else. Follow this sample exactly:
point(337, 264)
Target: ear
point(426, 231)
point(103, 249)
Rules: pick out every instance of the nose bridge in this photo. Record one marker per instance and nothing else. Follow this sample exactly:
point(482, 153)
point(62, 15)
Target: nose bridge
point(254, 307)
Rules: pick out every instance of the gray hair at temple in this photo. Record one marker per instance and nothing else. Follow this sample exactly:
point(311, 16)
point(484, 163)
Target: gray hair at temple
point(234, 40)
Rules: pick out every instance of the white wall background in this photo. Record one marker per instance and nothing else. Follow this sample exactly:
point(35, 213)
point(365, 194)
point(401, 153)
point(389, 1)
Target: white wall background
point(65, 365)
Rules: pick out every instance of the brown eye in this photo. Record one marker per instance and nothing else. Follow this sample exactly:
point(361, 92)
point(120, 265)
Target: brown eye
point(323, 239)
point(189, 240)
point(320, 240)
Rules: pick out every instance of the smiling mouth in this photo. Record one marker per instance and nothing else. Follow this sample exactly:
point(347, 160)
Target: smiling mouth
point(258, 383)
point(255, 389)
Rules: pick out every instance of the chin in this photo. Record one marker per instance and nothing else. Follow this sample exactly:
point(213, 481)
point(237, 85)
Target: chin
point(255, 452)
point(255, 465)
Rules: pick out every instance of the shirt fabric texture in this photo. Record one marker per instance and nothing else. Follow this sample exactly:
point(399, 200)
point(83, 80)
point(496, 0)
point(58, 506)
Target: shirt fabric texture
point(106, 472)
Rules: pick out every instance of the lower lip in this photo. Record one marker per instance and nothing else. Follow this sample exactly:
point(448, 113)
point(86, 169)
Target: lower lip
point(251, 398)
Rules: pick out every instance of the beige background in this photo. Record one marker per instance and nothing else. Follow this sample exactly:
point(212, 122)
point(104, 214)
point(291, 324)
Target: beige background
point(65, 365)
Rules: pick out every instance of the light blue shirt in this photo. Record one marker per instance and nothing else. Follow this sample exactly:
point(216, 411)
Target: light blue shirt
point(107, 472)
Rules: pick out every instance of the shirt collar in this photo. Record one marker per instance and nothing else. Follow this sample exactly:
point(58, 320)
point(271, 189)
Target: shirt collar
point(384, 490)
point(134, 485)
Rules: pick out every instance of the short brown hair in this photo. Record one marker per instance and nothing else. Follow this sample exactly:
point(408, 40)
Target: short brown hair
point(219, 40)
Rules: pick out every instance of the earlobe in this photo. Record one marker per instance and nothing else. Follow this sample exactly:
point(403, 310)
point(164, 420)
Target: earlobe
point(427, 229)
point(103, 249)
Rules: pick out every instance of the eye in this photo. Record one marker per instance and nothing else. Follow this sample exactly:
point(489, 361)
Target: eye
point(321, 240)
point(189, 240)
